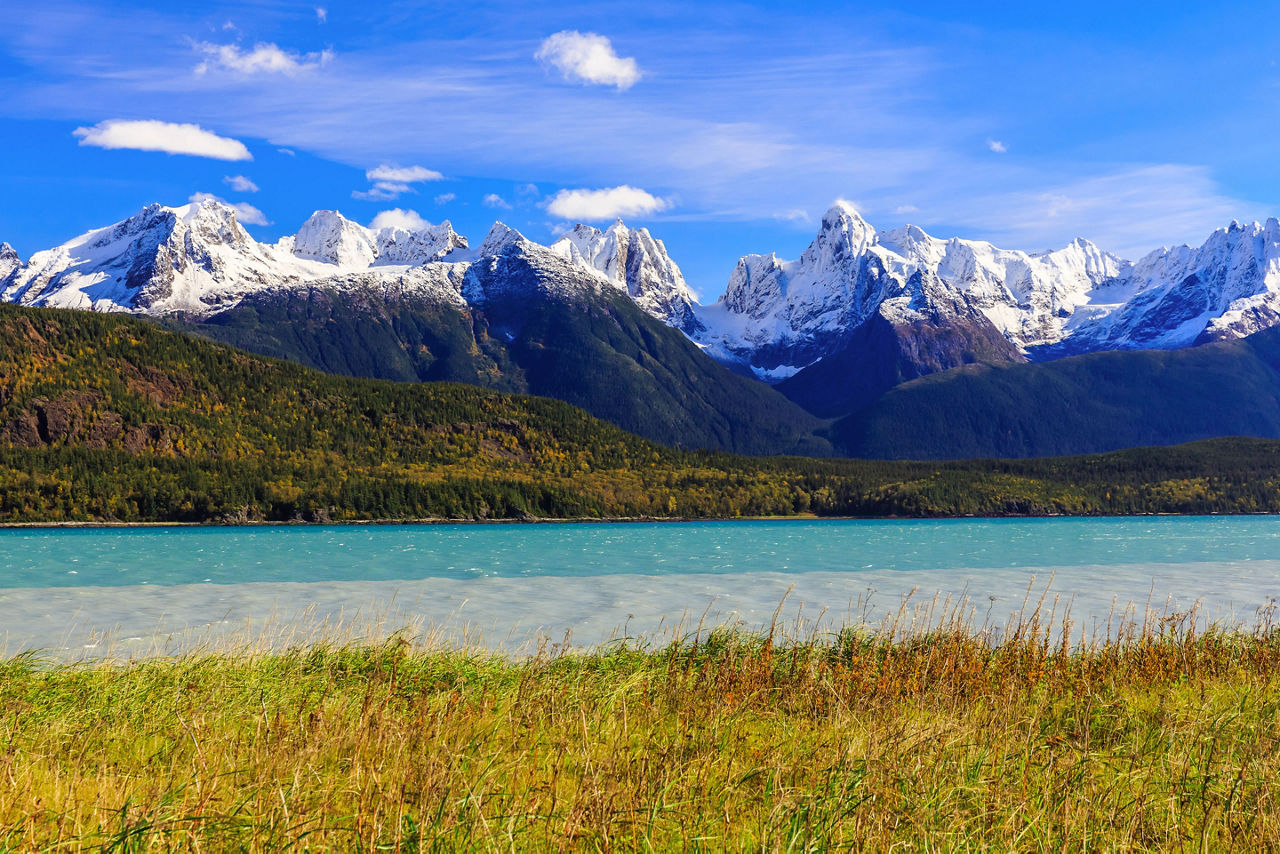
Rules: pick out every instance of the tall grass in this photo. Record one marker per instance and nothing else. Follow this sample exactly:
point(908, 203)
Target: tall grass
point(941, 735)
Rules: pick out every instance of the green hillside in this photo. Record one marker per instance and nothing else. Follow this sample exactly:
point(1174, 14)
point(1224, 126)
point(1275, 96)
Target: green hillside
point(112, 418)
point(1082, 404)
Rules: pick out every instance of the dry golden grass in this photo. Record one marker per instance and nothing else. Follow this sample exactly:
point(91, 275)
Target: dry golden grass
point(1163, 737)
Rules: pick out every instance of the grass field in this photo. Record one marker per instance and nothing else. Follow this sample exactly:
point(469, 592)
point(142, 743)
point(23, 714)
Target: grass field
point(1161, 737)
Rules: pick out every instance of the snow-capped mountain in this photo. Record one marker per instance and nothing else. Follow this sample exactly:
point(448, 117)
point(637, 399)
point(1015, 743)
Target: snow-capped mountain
point(636, 263)
point(1027, 296)
point(928, 303)
point(780, 316)
point(161, 259)
point(1175, 297)
point(9, 260)
point(197, 259)
point(330, 237)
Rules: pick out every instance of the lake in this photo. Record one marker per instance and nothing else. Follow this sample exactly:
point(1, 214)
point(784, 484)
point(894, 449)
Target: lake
point(72, 592)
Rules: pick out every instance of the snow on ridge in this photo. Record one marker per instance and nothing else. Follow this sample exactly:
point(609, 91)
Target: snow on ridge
point(638, 264)
point(776, 315)
point(197, 258)
point(776, 312)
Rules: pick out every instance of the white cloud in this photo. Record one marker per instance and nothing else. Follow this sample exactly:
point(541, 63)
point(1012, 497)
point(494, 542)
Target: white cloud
point(997, 146)
point(382, 191)
point(151, 135)
point(403, 174)
point(399, 218)
point(391, 182)
point(797, 215)
point(906, 209)
point(493, 200)
point(741, 145)
point(288, 152)
point(445, 198)
point(588, 58)
point(246, 213)
point(528, 190)
point(240, 184)
point(604, 204)
point(265, 58)
point(322, 14)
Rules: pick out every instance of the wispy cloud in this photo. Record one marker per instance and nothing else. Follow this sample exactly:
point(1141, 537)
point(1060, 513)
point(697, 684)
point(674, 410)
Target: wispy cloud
point(1128, 211)
point(322, 15)
point(264, 58)
point(382, 191)
point(391, 182)
point(169, 137)
point(588, 58)
point(445, 198)
point(403, 174)
point(996, 146)
point(723, 118)
point(240, 184)
point(607, 203)
point(408, 220)
point(246, 213)
point(796, 215)
point(493, 200)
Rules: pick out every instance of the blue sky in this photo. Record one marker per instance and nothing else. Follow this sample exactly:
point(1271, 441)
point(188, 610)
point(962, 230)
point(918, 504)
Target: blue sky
point(733, 124)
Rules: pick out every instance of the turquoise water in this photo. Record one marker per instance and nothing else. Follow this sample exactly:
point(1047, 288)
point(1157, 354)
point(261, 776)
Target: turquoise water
point(124, 557)
point(511, 587)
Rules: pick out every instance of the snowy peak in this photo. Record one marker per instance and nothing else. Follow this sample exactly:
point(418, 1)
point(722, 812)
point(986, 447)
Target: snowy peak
point(790, 312)
point(1229, 287)
point(777, 315)
point(794, 311)
point(634, 262)
point(9, 261)
point(213, 221)
point(160, 257)
point(330, 237)
point(413, 248)
point(500, 236)
point(844, 235)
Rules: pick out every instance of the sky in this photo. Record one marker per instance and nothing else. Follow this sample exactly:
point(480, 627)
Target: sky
point(726, 128)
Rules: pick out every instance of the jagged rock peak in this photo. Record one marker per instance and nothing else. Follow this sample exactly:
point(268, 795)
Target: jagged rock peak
point(843, 237)
point(500, 236)
point(637, 263)
point(418, 246)
point(9, 260)
point(330, 237)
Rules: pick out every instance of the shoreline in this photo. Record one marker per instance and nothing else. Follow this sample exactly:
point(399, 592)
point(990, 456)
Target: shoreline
point(602, 520)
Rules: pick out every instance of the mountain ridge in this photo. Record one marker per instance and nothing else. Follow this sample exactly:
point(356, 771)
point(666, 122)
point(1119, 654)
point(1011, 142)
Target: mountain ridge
point(858, 313)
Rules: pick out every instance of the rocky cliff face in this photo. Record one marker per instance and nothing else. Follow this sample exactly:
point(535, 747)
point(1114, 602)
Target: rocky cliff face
point(635, 263)
point(779, 317)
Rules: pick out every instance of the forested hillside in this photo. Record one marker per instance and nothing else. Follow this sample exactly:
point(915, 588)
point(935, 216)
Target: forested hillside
point(111, 418)
point(1082, 404)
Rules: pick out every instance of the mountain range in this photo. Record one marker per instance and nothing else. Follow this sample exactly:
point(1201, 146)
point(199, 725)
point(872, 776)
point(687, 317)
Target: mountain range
point(605, 320)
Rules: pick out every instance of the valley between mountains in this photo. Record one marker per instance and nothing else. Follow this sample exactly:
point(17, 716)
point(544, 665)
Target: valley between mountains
point(891, 344)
